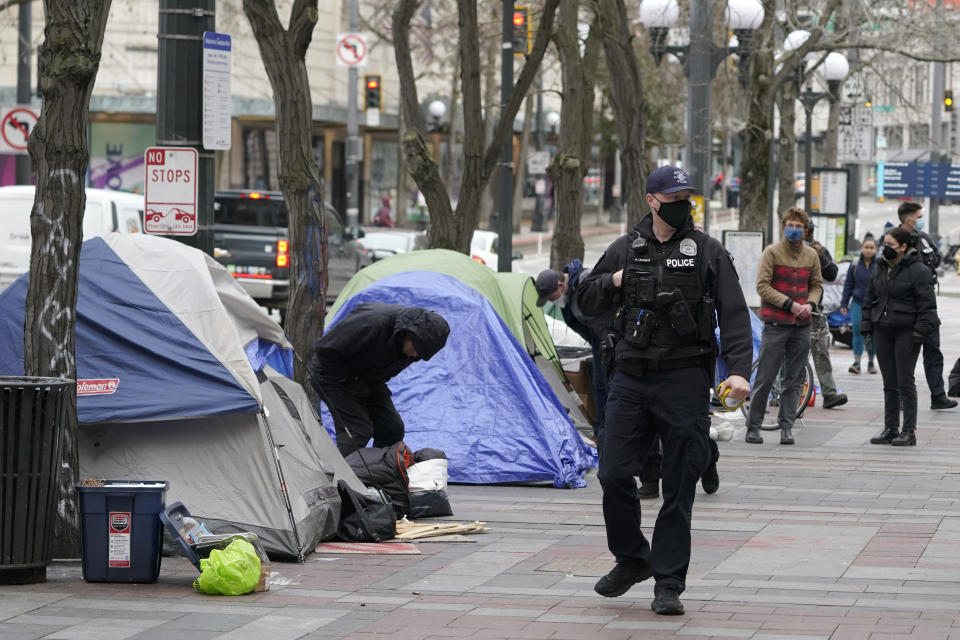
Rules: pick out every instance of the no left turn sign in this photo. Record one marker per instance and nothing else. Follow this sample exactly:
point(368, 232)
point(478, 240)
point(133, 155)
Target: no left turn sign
point(352, 50)
point(16, 125)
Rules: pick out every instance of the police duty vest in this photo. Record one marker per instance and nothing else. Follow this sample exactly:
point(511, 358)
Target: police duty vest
point(668, 313)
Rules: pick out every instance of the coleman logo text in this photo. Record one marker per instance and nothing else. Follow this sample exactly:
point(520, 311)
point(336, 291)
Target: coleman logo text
point(97, 387)
point(677, 263)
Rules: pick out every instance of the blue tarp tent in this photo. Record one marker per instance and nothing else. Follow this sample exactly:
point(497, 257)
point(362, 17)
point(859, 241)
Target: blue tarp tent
point(481, 399)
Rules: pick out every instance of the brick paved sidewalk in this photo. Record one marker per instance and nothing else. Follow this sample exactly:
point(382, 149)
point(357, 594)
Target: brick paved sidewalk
point(831, 538)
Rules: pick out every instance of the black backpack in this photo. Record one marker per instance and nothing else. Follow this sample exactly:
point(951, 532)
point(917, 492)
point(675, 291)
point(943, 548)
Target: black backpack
point(364, 518)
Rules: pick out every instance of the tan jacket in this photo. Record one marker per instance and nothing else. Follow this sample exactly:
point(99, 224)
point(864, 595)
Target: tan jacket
point(787, 272)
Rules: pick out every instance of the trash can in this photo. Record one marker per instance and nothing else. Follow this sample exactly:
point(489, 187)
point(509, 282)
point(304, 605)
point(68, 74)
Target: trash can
point(120, 530)
point(32, 415)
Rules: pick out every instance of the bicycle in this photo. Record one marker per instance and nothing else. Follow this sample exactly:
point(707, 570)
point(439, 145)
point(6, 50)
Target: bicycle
point(770, 422)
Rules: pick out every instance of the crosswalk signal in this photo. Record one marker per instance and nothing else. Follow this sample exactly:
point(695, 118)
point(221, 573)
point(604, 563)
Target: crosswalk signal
point(521, 31)
point(948, 100)
point(371, 92)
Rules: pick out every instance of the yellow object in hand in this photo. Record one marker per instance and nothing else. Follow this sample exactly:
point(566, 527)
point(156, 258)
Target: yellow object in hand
point(723, 401)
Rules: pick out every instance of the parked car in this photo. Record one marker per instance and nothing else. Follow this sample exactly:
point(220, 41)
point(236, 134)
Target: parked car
point(106, 211)
point(251, 240)
point(483, 249)
point(381, 243)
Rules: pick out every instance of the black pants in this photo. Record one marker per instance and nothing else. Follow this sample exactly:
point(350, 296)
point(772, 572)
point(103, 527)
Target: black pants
point(650, 472)
point(933, 362)
point(361, 412)
point(671, 405)
point(897, 355)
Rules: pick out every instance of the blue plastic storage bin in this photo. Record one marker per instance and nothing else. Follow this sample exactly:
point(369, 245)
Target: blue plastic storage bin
point(120, 530)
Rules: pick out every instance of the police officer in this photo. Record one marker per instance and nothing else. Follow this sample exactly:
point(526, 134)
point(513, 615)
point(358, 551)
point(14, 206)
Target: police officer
point(667, 285)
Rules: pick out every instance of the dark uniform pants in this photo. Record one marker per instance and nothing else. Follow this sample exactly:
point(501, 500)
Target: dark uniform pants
point(933, 362)
point(671, 405)
point(361, 412)
point(651, 465)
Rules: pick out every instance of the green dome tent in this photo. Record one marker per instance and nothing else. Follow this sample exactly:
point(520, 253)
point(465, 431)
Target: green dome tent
point(512, 295)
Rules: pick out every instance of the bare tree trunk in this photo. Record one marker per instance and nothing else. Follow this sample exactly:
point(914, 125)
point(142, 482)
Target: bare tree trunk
point(282, 51)
point(765, 81)
point(786, 166)
point(69, 59)
point(572, 160)
point(449, 229)
point(520, 171)
point(449, 169)
point(629, 105)
point(490, 66)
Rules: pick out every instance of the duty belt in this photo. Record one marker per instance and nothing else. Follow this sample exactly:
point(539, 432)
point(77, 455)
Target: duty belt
point(640, 367)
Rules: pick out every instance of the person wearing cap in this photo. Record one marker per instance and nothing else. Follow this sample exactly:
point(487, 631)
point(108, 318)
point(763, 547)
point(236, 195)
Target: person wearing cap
point(820, 332)
point(667, 286)
point(353, 361)
point(560, 289)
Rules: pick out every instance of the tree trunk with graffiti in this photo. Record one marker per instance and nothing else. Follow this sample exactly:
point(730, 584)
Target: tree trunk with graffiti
point(68, 61)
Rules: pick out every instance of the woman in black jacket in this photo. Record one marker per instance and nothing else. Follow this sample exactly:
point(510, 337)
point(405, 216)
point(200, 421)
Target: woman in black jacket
point(899, 309)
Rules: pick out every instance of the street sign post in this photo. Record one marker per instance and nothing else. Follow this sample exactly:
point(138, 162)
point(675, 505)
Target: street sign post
point(16, 125)
point(352, 50)
point(170, 192)
point(216, 90)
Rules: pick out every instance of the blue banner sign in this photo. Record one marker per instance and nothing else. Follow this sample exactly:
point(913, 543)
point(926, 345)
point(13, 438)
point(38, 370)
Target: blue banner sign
point(921, 180)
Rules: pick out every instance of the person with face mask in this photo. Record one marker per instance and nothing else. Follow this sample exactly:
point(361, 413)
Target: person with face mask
point(790, 286)
point(667, 286)
point(854, 288)
point(560, 289)
point(820, 331)
point(899, 311)
point(911, 219)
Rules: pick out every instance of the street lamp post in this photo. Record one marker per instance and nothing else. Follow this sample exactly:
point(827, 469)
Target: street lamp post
point(835, 68)
point(700, 59)
point(436, 109)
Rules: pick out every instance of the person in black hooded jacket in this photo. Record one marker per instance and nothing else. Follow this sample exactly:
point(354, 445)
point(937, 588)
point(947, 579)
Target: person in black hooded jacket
point(352, 362)
point(899, 311)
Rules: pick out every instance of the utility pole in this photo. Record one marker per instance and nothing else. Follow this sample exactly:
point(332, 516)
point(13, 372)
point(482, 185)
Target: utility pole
point(23, 81)
point(179, 91)
point(505, 217)
point(933, 204)
point(354, 145)
point(538, 221)
point(701, 65)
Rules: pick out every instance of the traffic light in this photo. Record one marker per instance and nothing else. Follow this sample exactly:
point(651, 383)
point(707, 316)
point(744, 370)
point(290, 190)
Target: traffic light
point(868, 103)
point(371, 92)
point(521, 30)
point(948, 100)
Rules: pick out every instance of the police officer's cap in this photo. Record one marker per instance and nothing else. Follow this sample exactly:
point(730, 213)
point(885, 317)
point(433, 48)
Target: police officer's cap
point(547, 283)
point(669, 179)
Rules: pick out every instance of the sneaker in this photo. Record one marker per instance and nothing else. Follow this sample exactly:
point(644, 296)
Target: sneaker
point(854, 368)
point(649, 489)
point(710, 480)
point(942, 402)
point(623, 576)
point(871, 368)
point(835, 400)
point(666, 601)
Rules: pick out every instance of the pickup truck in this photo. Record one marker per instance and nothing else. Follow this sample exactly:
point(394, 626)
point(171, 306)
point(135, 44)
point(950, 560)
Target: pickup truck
point(251, 241)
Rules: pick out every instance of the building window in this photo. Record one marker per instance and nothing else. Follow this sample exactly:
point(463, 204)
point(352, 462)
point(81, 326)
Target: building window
point(894, 136)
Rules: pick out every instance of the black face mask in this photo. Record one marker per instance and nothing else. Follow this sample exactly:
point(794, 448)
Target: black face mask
point(674, 213)
point(889, 253)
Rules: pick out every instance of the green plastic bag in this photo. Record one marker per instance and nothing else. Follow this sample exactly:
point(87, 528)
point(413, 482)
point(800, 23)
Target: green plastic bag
point(233, 571)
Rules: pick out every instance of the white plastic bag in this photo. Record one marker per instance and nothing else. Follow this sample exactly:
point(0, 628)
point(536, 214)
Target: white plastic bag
point(429, 475)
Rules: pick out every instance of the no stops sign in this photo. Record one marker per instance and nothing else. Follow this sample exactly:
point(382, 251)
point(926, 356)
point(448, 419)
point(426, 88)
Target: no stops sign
point(171, 191)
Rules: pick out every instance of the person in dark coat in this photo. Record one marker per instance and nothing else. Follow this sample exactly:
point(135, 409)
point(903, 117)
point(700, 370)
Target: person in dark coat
point(352, 362)
point(854, 289)
point(899, 311)
point(911, 219)
point(820, 331)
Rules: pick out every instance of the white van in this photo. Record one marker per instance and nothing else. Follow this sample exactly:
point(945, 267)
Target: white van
point(107, 211)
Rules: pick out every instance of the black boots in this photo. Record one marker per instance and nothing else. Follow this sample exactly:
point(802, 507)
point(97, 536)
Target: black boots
point(710, 480)
point(907, 438)
point(942, 402)
point(753, 436)
point(886, 436)
point(649, 489)
point(786, 435)
point(834, 400)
